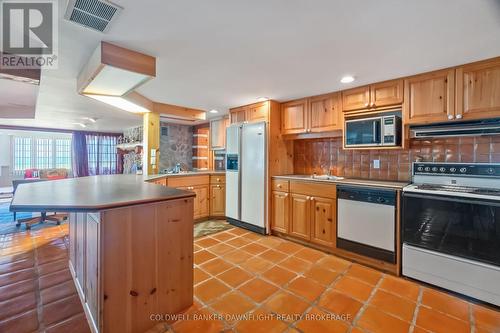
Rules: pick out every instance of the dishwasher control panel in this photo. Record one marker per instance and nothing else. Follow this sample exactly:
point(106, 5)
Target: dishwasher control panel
point(365, 194)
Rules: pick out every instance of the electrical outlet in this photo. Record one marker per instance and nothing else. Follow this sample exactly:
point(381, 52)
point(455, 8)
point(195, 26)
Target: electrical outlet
point(376, 164)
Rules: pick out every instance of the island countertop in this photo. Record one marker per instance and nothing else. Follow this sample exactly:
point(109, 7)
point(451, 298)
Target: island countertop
point(91, 193)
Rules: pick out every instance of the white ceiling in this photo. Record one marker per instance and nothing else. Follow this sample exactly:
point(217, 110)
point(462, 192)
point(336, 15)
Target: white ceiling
point(224, 53)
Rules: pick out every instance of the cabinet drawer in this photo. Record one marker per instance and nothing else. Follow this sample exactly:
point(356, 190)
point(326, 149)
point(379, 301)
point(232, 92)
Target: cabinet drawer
point(314, 189)
point(181, 181)
point(280, 185)
point(217, 179)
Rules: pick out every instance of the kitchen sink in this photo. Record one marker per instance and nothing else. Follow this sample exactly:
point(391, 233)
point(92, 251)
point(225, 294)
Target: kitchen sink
point(326, 177)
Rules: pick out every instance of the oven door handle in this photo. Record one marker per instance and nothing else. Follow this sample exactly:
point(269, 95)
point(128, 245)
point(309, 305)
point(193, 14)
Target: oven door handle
point(453, 199)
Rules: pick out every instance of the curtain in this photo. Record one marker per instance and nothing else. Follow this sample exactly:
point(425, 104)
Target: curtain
point(102, 154)
point(80, 158)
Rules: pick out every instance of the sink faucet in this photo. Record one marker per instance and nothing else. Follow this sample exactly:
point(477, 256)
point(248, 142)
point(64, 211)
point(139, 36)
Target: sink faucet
point(177, 168)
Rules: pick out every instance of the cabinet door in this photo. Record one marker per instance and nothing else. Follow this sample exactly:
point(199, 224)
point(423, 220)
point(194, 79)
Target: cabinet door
point(218, 134)
point(300, 225)
point(356, 99)
point(324, 113)
point(91, 267)
point(217, 200)
point(280, 209)
point(386, 93)
point(202, 207)
point(72, 239)
point(478, 90)
point(430, 97)
point(294, 117)
point(81, 240)
point(257, 112)
point(238, 115)
point(323, 221)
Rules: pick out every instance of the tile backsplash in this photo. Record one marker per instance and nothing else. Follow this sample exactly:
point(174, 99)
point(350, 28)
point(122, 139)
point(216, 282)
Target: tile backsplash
point(321, 155)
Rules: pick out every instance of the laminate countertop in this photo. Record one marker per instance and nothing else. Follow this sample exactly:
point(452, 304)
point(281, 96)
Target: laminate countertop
point(184, 174)
point(92, 193)
point(348, 181)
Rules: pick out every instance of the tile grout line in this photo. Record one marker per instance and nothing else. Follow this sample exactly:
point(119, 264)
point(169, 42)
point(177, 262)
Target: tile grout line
point(368, 300)
point(417, 308)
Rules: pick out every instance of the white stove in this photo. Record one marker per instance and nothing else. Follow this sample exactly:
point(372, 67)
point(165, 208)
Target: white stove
point(451, 228)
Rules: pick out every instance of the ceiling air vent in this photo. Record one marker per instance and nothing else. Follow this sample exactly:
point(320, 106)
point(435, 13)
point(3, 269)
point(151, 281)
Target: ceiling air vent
point(94, 14)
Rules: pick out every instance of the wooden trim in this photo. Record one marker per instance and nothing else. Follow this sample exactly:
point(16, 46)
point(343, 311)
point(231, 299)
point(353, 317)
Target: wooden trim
point(127, 59)
point(140, 100)
point(178, 112)
point(314, 135)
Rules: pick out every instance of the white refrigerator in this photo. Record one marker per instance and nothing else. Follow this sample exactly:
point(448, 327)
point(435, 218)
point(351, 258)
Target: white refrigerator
point(246, 175)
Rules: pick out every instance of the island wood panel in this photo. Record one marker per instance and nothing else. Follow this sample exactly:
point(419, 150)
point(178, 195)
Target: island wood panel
point(478, 90)
point(139, 261)
point(430, 97)
point(386, 93)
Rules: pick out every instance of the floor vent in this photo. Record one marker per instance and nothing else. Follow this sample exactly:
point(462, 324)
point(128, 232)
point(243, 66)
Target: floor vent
point(94, 14)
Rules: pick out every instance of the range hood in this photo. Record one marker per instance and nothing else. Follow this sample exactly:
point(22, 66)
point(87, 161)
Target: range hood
point(464, 128)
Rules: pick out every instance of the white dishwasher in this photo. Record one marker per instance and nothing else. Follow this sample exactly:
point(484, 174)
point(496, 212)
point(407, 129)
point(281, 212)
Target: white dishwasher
point(366, 221)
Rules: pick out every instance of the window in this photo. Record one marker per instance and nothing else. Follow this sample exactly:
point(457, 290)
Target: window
point(63, 153)
point(44, 153)
point(41, 152)
point(22, 154)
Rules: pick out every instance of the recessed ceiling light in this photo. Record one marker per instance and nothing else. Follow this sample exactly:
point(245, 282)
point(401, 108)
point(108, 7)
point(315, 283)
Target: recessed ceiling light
point(262, 99)
point(80, 124)
point(214, 111)
point(92, 120)
point(347, 79)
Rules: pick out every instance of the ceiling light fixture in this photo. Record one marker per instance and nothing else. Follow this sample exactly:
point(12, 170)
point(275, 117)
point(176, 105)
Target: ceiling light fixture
point(80, 124)
point(120, 103)
point(262, 99)
point(92, 120)
point(213, 111)
point(347, 79)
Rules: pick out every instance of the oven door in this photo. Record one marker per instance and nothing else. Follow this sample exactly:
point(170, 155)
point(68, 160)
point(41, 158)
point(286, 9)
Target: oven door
point(363, 132)
point(459, 226)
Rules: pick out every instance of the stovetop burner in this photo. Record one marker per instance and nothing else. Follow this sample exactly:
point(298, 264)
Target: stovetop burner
point(459, 189)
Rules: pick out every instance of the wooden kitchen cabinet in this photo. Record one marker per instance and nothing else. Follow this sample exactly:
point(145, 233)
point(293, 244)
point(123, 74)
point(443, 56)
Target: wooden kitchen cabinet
point(201, 202)
point(294, 117)
point(280, 210)
point(324, 212)
point(324, 113)
point(217, 200)
point(478, 90)
point(218, 134)
point(257, 112)
point(430, 97)
point(373, 96)
point(356, 98)
point(300, 219)
point(238, 115)
point(316, 114)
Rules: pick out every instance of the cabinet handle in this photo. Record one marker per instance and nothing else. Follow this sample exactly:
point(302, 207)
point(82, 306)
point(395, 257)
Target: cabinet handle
point(308, 198)
point(459, 116)
point(218, 186)
point(279, 185)
point(286, 194)
point(450, 116)
point(312, 198)
point(366, 104)
point(372, 105)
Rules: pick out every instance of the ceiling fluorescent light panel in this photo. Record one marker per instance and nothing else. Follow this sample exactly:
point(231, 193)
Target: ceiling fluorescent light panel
point(120, 103)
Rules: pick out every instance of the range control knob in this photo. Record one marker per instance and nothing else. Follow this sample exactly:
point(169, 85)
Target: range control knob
point(420, 169)
point(453, 169)
point(427, 169)
point(442, 169)
point(434, 169)
point(490, 171)
point(463, 170)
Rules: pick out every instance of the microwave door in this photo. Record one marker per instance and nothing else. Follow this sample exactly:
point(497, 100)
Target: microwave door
point(365, 132)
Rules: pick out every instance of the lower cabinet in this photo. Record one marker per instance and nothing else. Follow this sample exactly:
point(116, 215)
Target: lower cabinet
point(307, 212)
point(217, 200)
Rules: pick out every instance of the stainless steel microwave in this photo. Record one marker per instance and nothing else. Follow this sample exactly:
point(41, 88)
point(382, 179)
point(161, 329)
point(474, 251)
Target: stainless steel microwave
point(373, 131)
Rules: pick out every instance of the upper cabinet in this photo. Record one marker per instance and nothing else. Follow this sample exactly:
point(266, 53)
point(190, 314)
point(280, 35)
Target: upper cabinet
point(430, 97)
point(478, 90)
point(324, 113)
point(373, 96)
point(250, 113)
point(294, 117)
point(218, 134)
point(315, 114)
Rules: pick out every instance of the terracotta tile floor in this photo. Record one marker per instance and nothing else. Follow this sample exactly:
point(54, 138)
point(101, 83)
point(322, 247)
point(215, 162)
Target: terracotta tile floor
point(243, 283)
point(37, 293)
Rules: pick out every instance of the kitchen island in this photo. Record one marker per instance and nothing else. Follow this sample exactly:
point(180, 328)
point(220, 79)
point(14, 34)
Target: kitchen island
point(131, 246)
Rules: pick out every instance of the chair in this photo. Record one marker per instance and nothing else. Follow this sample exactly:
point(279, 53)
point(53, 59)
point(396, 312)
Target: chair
point(34, 175)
